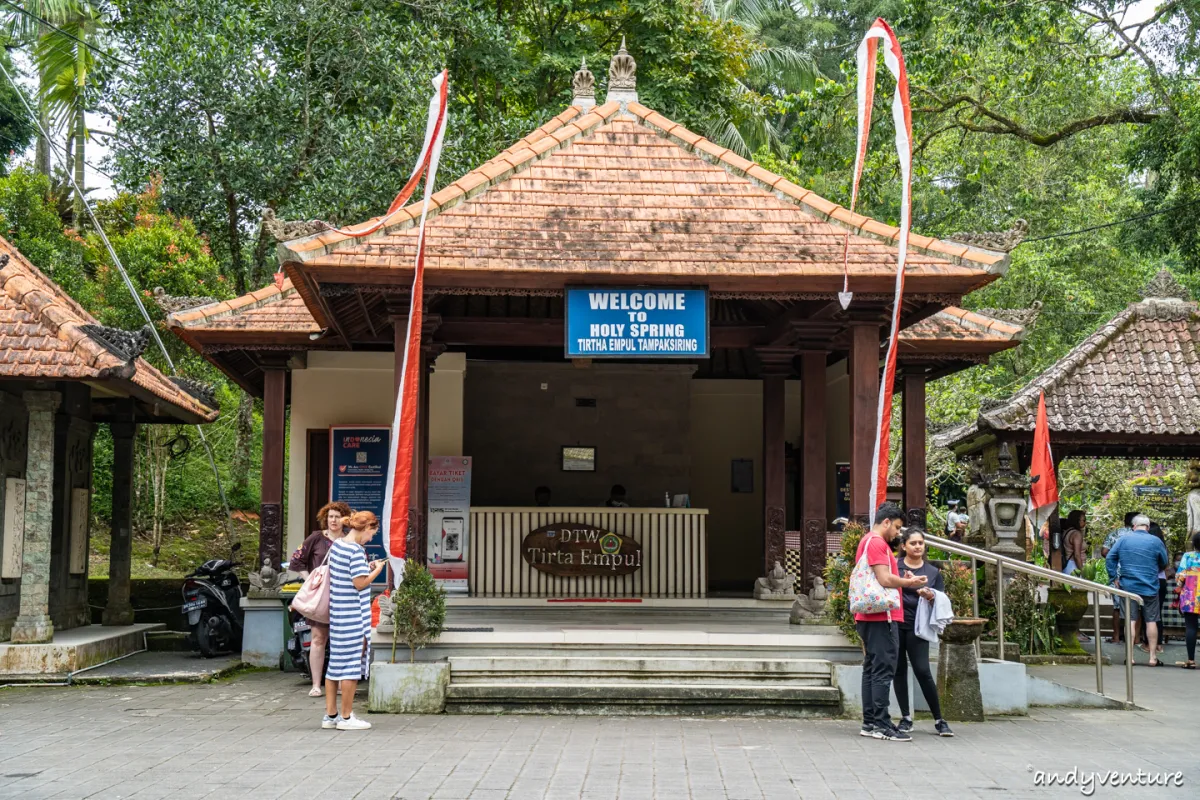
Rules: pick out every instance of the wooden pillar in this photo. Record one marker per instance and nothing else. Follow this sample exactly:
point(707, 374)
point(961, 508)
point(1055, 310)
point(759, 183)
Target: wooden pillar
point(119, 611)
point(774, 471)
point(864, 402)
point(270, 524)
point(914, 448)
point(814, 468)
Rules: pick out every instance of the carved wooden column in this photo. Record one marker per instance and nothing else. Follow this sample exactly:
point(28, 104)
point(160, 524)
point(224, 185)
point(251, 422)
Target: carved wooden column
point(914, 447)
point(814, 469)
point(119, 611)
point(270, 524)
point(776, 366)
point(864, 401)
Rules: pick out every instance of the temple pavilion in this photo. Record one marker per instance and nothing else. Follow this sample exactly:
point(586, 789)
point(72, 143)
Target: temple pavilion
point(729, 458)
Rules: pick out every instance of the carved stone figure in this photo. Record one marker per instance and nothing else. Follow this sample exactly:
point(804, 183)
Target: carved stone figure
point(980, 533)
point(1193, 513)
point(387, 610)
point(779, 584)
point(622, 70)
point(812, 605)
point(266, 581)
point(286, 231)
point(584, 82)
point(997, 241)
point(171, 303)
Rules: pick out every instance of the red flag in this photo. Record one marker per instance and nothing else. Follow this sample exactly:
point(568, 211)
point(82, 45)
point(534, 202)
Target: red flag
point(893, 59)
point(1043, 495)
point(404, 424)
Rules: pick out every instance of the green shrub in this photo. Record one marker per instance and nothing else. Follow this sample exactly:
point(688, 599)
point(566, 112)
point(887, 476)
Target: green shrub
point(419, 609)
point(837, 581)
point(1028, 622)
point(959, 583)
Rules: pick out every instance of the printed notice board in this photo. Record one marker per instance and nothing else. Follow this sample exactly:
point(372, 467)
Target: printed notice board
point(637, 323)
point(358, 459)
point(448, 545)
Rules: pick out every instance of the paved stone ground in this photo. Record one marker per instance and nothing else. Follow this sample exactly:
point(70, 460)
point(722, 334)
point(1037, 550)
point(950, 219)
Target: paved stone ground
point(257, 736)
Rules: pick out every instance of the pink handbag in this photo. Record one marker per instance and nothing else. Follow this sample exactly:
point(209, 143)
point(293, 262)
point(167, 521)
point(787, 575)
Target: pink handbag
point(312, 600)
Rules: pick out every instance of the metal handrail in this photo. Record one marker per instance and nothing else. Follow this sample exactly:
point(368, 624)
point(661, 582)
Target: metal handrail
point(1002, 562)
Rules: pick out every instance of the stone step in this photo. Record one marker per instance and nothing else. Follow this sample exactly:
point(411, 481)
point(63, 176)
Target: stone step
point(642, 698)
point(729, 671)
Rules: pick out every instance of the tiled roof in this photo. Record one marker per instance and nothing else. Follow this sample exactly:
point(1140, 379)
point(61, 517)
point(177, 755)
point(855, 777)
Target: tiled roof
point(42, 336)
point(956, 329)
point(1138, 374)
point(604, 195)
point(277, 310)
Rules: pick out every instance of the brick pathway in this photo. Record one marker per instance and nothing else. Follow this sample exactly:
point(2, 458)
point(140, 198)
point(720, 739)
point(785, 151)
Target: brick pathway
point(257, 736)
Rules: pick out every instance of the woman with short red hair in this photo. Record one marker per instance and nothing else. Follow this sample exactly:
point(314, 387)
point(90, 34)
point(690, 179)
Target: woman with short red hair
point(330, 522)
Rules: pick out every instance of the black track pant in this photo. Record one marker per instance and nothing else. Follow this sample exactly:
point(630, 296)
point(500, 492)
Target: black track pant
point(916, 650)
point(879, 665)
point(1190, 624)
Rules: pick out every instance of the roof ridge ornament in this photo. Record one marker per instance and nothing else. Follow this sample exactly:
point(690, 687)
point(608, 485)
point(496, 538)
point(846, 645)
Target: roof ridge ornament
point(125, 345)
point(996, 241)
point(583, 87)
point(622, 76)
point(1165, 286)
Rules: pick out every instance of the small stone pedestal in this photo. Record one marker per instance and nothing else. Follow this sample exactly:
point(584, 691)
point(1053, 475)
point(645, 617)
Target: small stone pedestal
point(958, 671)
point(263, 631)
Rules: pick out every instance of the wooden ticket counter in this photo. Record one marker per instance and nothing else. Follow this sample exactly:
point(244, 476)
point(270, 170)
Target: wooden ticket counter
point(588, 552)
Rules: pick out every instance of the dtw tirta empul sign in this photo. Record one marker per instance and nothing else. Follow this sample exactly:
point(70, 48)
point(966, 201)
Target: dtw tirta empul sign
point(637, 323)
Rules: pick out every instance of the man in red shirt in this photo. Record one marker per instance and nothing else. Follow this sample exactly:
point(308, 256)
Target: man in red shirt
point(878, 631)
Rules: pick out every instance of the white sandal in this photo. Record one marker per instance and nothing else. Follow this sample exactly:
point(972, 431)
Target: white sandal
point(316, 692)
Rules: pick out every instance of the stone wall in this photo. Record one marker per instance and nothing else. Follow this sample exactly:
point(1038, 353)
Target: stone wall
point(14, 422)
point(73, 436)
point(517, 417)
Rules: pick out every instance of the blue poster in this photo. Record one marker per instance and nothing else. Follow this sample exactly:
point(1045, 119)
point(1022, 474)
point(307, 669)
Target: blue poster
point(637, 323)
point(358, 460)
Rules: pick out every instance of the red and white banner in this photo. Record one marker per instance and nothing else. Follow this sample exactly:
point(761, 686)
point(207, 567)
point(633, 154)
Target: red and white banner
point(893, 58)
point(1043, 494)
point(397, 498)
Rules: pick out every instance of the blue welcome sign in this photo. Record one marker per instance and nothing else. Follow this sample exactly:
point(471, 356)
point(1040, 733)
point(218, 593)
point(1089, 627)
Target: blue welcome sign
point(637, 323)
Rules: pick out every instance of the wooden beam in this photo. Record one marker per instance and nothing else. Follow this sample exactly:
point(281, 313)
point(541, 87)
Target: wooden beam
point(774, 470)
point(362, 304)
point(270, 528)
point(814, 466)
point(539, 332)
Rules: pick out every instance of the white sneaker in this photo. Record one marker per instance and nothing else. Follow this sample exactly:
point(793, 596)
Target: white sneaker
point(352, 723)
point(329, 723)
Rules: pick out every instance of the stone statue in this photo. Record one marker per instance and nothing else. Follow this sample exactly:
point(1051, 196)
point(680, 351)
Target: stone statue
point(387, 611)
point(980, 533)
point(812, 605)
point(266, 581)
point(779, 584)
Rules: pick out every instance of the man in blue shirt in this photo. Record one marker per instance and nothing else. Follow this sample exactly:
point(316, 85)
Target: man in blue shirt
point(1137, 558)
point(1118, 603)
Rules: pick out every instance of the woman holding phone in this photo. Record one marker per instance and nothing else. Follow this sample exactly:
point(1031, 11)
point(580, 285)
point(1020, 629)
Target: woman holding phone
point(350, 578)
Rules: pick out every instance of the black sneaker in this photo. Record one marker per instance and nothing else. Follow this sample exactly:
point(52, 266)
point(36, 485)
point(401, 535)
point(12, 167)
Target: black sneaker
point(892, 734)
point(942, 728)
point(905, 725)
point(867, 730)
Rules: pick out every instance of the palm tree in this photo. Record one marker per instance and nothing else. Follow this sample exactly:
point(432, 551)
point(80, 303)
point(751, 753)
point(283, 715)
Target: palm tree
point(775, 68)
point(64, 63)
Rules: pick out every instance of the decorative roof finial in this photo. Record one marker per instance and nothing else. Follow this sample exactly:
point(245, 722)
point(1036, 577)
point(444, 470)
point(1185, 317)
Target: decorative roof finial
point(1164, 286)
point(583, 85)
point(622, 76)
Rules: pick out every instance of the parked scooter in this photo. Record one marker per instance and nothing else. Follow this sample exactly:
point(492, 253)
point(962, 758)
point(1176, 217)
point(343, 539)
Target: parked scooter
point(211, 604)
point(299, 646)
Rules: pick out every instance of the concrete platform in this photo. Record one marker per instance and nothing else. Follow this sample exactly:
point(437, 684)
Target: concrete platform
point(71, 651)
point(160, 667)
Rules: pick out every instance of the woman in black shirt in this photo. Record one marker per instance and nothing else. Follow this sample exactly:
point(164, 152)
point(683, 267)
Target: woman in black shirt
point(912, 647)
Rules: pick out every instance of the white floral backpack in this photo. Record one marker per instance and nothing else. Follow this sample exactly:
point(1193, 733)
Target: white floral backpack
point(867, 595)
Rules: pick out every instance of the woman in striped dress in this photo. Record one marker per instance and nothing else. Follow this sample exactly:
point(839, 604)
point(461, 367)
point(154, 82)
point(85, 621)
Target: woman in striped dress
point(350, 578)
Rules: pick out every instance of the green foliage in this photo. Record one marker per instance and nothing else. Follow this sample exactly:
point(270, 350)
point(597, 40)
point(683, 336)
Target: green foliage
point(837, 581)
point(1094, 570)
point(960, 588)
point(1028, 622)
point(420, 609)
point(32, 225)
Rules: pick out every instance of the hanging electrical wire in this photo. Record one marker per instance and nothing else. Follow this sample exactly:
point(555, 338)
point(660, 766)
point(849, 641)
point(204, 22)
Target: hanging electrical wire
point(132, 291)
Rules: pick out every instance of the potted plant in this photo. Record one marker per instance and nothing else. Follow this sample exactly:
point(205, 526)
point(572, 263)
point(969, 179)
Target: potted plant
point(959, 583)
point(418, 615)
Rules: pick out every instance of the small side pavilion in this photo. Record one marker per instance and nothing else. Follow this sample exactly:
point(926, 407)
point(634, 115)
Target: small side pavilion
point(771, 432)
point(1131, 390)
point(61, 373)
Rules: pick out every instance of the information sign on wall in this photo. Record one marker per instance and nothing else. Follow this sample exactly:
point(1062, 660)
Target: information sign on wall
point(637, 323)
point(358, 459)
point(449, 520)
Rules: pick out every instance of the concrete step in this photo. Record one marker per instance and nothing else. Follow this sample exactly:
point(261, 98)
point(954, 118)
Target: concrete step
point(728, 671)
point(645, 698)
